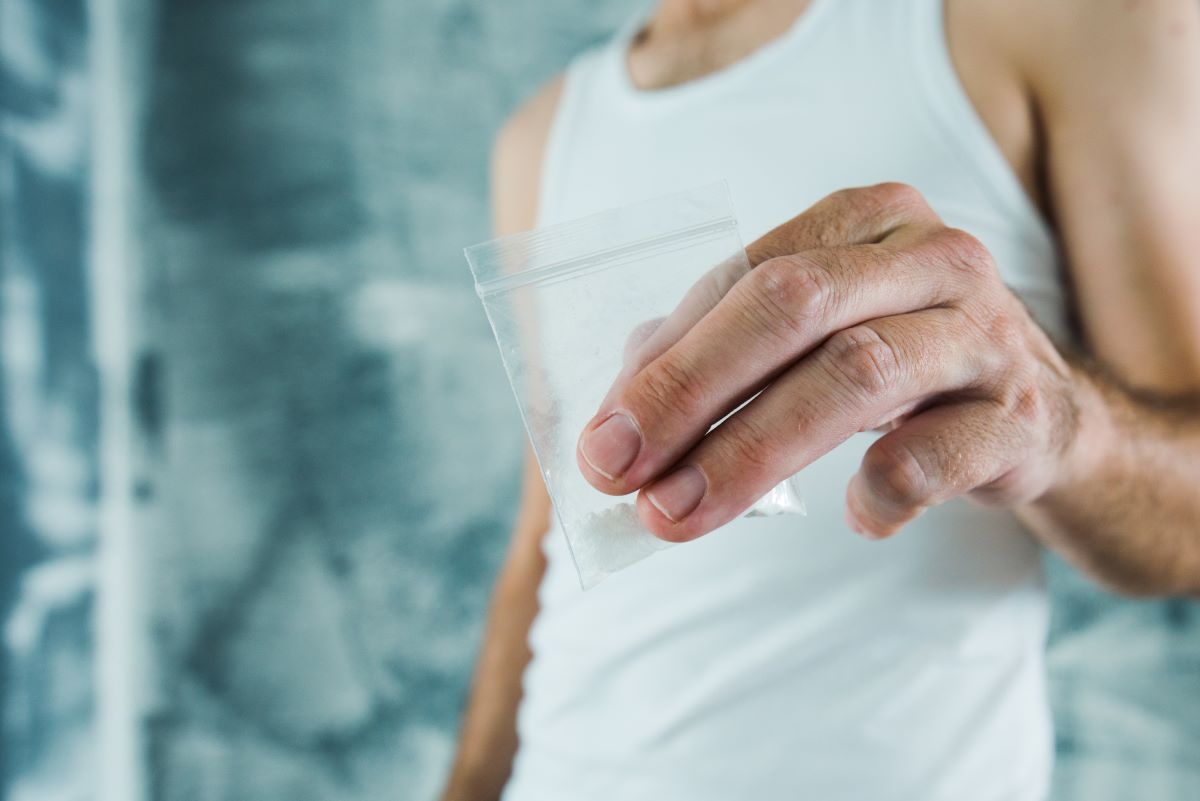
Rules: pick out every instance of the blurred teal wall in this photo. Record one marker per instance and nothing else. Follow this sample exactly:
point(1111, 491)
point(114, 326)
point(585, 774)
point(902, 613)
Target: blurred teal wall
point(330, 446)
point(326, 452)
point(49, 405)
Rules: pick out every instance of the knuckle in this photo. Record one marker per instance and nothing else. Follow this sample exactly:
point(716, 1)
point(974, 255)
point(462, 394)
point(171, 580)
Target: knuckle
point(670, 386)
point(896, 475)
point(1022, 401)
point(1005, 333)
point(889, 204)
point(745, 443)
point(863, 360)
point(795, 289)
point(963, 252)
point(895, 193)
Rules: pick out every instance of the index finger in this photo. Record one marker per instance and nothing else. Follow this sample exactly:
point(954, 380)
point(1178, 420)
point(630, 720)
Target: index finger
point(848, 217)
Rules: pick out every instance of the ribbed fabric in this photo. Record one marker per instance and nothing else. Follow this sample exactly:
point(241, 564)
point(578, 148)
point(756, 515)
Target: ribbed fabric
point(787, 658)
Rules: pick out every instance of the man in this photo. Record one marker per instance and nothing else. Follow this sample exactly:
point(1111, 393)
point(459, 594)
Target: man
point(1007, 310)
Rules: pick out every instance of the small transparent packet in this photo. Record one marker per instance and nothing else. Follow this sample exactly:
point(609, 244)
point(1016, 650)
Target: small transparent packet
point(578, 305)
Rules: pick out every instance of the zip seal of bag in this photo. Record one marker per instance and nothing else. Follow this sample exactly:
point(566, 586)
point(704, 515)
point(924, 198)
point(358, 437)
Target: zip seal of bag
point(564, 301)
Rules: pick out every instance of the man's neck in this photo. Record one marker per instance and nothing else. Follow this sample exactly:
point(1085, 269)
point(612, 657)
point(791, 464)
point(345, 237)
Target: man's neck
point(686, 39)
point(697, 13)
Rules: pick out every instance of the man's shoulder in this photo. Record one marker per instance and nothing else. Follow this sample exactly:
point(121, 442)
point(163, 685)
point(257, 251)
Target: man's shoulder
point(517, 158)
point(1060, 43)
point(522, 138)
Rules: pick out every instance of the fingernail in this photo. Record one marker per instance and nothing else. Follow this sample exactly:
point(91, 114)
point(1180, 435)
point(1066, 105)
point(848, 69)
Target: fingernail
point(612, 446)
point(677, 495)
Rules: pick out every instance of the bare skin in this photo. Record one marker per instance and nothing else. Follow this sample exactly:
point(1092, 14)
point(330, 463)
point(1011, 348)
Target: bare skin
point(1096, 105)
point(489, 734)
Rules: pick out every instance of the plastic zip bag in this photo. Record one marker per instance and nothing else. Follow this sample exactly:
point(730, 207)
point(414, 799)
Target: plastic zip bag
point(577, 305)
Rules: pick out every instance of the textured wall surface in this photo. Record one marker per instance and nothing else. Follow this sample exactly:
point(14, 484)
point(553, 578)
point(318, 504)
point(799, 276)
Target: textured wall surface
point(327, 450)
point(1125, 690)
point(48, 405)
point(335, 447)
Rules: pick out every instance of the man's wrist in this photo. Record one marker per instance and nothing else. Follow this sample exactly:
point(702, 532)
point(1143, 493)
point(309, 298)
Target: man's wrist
point(1090, 447)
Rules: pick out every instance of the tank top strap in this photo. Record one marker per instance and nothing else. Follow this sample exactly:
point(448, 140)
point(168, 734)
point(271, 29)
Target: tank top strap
point(947, 98)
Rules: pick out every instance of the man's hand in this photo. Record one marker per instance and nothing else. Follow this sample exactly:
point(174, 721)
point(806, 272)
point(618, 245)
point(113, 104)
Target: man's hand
point(865, 311)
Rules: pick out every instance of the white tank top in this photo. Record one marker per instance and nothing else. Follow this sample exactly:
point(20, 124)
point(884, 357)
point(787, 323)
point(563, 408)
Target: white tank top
point(787, 658)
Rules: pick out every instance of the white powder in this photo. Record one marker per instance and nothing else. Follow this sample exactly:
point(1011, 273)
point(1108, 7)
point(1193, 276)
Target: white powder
point(609, 540)
point(613, 538)
point(783, 499)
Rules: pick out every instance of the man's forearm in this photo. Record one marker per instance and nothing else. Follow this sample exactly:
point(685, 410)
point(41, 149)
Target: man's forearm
point(488, 740)
point(1127, 510)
